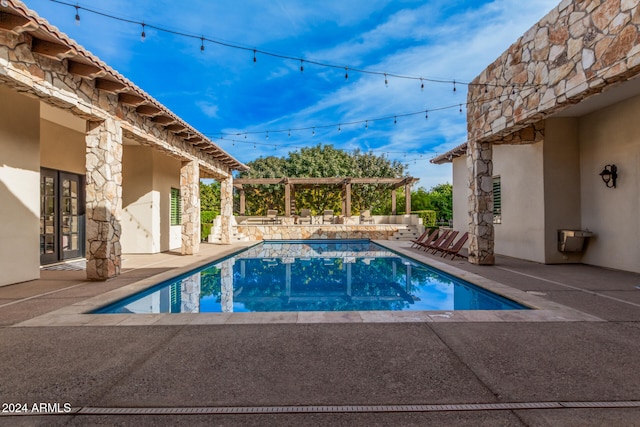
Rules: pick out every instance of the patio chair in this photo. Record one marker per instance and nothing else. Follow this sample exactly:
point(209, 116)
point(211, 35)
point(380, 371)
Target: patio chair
point(327, 216)
point(272, 216)
point(305, 216)
point(425, 237)
point(446, 243)
point(455, 248)
point(436, 242)
point(365, 217)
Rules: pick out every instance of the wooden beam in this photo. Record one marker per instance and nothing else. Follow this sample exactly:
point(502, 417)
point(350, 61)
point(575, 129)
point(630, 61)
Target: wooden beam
point(148, 110)
point(16, 24)
point(407, 199)
point(394, 210)
point(328, 181)
point(109, 85)
point(51, 50)
point(243, 202)
point(85, 70)
point(347, 200)
point(175, 127)
point(287, 200)
point(130, 99)
point(163, 119)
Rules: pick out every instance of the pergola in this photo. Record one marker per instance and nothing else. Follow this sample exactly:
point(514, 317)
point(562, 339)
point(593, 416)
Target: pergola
point(345, 183)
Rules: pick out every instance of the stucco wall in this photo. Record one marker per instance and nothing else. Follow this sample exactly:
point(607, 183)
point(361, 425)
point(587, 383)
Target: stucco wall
point(167, 175)
point(612, 136)
point(62, 148)
point(521, 233)
point(140, 224)
point(460, 194)
point(561, 185)
point(147, 180)
point(19, 187)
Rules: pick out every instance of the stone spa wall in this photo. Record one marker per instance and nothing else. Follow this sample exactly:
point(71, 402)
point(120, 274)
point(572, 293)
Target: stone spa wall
point(303, 232)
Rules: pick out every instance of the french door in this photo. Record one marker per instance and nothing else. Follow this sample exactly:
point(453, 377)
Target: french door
point(61, 216)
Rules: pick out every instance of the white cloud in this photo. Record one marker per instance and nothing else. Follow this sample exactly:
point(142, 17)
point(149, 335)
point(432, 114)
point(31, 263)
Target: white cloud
point(209, 109)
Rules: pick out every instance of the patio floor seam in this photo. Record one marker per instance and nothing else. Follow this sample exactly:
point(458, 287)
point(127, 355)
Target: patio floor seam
point(333, 409)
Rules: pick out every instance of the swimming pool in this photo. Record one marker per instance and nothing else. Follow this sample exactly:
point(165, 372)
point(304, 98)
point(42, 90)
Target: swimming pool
point(327, 275)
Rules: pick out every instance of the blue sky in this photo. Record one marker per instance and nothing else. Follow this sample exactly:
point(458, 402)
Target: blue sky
point(221, 90)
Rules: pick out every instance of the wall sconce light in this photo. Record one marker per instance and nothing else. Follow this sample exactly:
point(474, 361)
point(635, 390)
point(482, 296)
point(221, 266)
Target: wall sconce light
point(609, 175)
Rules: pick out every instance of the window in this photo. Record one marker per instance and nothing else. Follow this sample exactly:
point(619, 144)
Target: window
point(497, 200)
point(176, 207)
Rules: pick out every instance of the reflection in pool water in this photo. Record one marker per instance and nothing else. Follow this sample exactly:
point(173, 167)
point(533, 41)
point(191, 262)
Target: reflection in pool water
point(313, 276)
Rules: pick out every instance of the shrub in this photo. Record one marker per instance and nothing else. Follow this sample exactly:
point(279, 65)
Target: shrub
point(206, 222)
point(429, 217)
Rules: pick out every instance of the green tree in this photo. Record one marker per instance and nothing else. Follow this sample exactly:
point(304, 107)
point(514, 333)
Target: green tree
point(210, 197)
point(442, 200)
point(321, 161)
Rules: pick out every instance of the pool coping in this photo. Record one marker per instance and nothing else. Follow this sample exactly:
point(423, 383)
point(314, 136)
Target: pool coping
point(543, 310)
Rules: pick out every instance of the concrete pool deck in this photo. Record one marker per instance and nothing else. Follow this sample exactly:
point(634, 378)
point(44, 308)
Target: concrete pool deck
point(577, 364)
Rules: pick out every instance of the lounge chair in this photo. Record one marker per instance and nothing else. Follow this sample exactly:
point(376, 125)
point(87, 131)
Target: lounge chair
point(426, 235)
point(305, 216)
point(327, 217)
point(426, 246)
point(365, 217)
point(446, 243)
point(455, 248)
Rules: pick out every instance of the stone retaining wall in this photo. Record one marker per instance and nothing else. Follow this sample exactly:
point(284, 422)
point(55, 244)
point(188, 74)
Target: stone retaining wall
point(303, 232)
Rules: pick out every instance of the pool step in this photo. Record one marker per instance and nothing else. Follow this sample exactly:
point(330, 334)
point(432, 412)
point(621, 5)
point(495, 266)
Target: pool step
point(237, 237)
point(406, 232)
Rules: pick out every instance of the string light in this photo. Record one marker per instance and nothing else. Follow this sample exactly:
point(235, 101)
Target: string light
point(202, 44)
point(77, 15)
point(143, 35)
point(386, 81)
point(421, 84)
point(346, 73)
point(366, 121)
point(272, 54)
point(301, 65)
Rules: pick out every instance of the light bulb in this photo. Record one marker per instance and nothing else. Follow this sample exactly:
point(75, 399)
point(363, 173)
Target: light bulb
point(4, 3)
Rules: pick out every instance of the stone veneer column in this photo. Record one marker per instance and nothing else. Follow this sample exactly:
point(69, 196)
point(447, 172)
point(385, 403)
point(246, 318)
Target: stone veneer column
point(481, 238)
point(226, 209)
point(104, 198)
point(190, 197)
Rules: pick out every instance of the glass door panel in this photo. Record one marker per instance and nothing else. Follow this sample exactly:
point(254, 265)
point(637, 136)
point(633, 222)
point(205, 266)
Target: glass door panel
point(61, 216)
point(72, 233)
point(48, 226)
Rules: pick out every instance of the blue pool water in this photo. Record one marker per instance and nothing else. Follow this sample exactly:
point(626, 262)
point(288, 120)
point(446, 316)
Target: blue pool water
point(313, 276)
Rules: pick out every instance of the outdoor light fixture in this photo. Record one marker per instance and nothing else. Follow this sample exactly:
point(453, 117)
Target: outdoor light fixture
point(609, 175)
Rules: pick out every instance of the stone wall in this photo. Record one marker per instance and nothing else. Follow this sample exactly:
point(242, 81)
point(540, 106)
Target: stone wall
point(39, 61)
point(576, 51)
point(104, 199)
point(303, 232)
